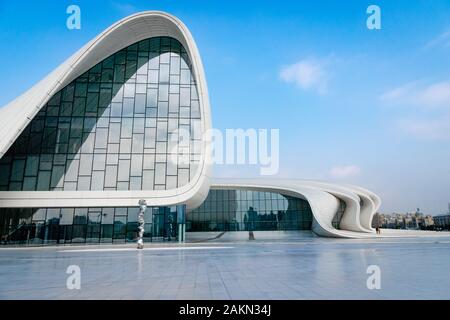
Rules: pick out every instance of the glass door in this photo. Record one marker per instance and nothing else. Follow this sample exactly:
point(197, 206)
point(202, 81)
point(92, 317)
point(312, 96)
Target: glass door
point(164, 224)
point(158, 232)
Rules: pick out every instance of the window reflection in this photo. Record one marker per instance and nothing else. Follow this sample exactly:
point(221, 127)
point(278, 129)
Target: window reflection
point(121, 106)
point(245, 210)
point(85, 225)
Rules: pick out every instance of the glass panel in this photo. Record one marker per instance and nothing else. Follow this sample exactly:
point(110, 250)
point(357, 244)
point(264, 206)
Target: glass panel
point(226, 210)
point(121, 106)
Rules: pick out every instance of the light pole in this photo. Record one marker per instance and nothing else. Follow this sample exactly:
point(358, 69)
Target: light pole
point(141, 221)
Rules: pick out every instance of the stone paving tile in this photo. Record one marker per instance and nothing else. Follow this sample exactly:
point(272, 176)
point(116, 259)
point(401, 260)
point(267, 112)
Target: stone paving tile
point(310, 268)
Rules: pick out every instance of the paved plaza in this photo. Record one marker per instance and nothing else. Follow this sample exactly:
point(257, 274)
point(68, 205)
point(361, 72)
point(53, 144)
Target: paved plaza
point(307, 267)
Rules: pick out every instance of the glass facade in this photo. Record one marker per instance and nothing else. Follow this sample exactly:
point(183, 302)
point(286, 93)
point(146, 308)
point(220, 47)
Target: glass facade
point(87, 225)
point(116, 127)
point(245, 210)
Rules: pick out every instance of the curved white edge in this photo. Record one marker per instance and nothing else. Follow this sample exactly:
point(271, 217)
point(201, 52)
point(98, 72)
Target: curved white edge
point(371, 205)
point(17, 115)
point(324, 200)
point(359, 209)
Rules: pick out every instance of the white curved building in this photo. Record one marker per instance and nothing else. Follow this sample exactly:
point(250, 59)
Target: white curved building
point(336, 211)
point(106, 129)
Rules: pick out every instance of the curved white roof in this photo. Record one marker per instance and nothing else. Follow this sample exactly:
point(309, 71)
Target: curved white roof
point(15, 116)
point(324, 199)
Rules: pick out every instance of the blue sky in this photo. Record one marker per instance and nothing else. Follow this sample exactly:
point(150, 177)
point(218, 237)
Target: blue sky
point(353, 105)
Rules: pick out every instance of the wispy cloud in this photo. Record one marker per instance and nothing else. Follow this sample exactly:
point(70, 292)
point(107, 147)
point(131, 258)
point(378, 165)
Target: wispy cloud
point(125, 8)
point(417, 94)
point(428, 106)
point(398, 94)
point(427, 129)
point(344, 171)
point(308, 74)
point(441, 40)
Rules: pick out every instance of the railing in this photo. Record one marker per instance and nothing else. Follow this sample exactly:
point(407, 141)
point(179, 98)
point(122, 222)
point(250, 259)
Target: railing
point(6, 237)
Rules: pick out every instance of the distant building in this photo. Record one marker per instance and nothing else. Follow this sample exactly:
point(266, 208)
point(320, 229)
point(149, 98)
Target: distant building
point(442, 222)
point(428, 221)
point(411, 220)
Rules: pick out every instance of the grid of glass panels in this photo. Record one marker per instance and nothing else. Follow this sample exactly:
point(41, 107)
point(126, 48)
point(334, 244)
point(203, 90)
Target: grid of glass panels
point(238, 210)
point(85, 225)
point(116, 127)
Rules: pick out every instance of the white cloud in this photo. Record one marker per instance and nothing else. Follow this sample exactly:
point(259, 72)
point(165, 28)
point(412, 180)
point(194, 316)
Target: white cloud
point(441, 40)
point(125, 8)
point(399, 93)
point(308, 74)
point(429, 113)
point(417, 94)
point(437, 94)
point(345, 171)
point(427, 129)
